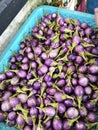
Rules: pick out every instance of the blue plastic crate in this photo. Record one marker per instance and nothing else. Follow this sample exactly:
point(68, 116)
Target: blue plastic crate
point(32, 20)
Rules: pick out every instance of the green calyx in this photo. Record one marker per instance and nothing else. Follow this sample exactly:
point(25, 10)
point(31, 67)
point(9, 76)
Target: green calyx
point(39, 62)
point(13, 95)
point(56, 87)
point(85, 45)
point(91, 125)
point(60, 67)
point(19, 127)
point(20, 91)
point(55, 76)
point(23, 90)
point(51, 72)
point(24, 111)
point(54, 105)
point(79, 100)
point(71, 121)
point(64, 59)
point(95, 88)
point(68, 31)
point(5, 69)
point(42, 90)
point(40, 126)
point(42, 103)
point(2, 87)
point(84, 56)
point(90, 54)
point(65, 96)
point(54, 63)
point(91, 62)
point(51, 24)
point(47, 119)
point(40, 37)
point(34, 122)
point(95, 101)
point(31, 81)
point(24, 116)
point(76, 33)
point(55, 38)
point(69, 80)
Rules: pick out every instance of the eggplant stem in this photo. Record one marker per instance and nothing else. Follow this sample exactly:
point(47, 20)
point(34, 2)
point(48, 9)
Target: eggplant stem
point(87, 45)
point(55, 105)
point(2, 86)
point(48, 118)
point(90, 54)
point(79, 99)
point(56, 87)
point(64, 96)
point(70, 122)
point(90, 125)
point(34, 120)
point(83, 56)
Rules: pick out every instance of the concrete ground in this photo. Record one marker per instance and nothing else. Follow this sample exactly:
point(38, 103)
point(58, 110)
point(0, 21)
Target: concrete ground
point(8, 10)
point(16, 17)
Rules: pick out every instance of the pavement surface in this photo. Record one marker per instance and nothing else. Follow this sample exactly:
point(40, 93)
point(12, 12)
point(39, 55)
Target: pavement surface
point(8, 10)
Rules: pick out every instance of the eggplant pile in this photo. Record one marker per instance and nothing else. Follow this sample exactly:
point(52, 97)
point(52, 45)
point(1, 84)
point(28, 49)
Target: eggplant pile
point(52, 81)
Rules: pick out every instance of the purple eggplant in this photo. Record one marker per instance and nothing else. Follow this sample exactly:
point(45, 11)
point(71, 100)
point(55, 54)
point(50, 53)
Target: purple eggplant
point(37, 85)
point(68, 102)
point(76, 39)
point(61, 82)
point(20, 121)
point(59, 97)
point(93, 69)
point(12, 123)
point(89, 105)
point(33, 111)
point(48, 124)
point(72, 113)
point(83, 112)
point(79, 92)
point(27, 127)
point(91, 117)
point(66, 125)
point(15, 80)
point(43, 69)
point(57, 124)
point(92, 78)
point(38, 50)
point(22, 73)
point(51, 91)
point(83, 81)
point(6, 95)
point(14, 101)
point(5, 106)
point(10, 74)
point(53, 53)
point(79, 59)
point(2, 76)
point(68, 89)
point(23, 98)
point(19, 57)
point(80, 126)
point(88, 90)
point(61, 108)
point(31, 101)
point(50, 111)
point(2, 117)
point(12, 116)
